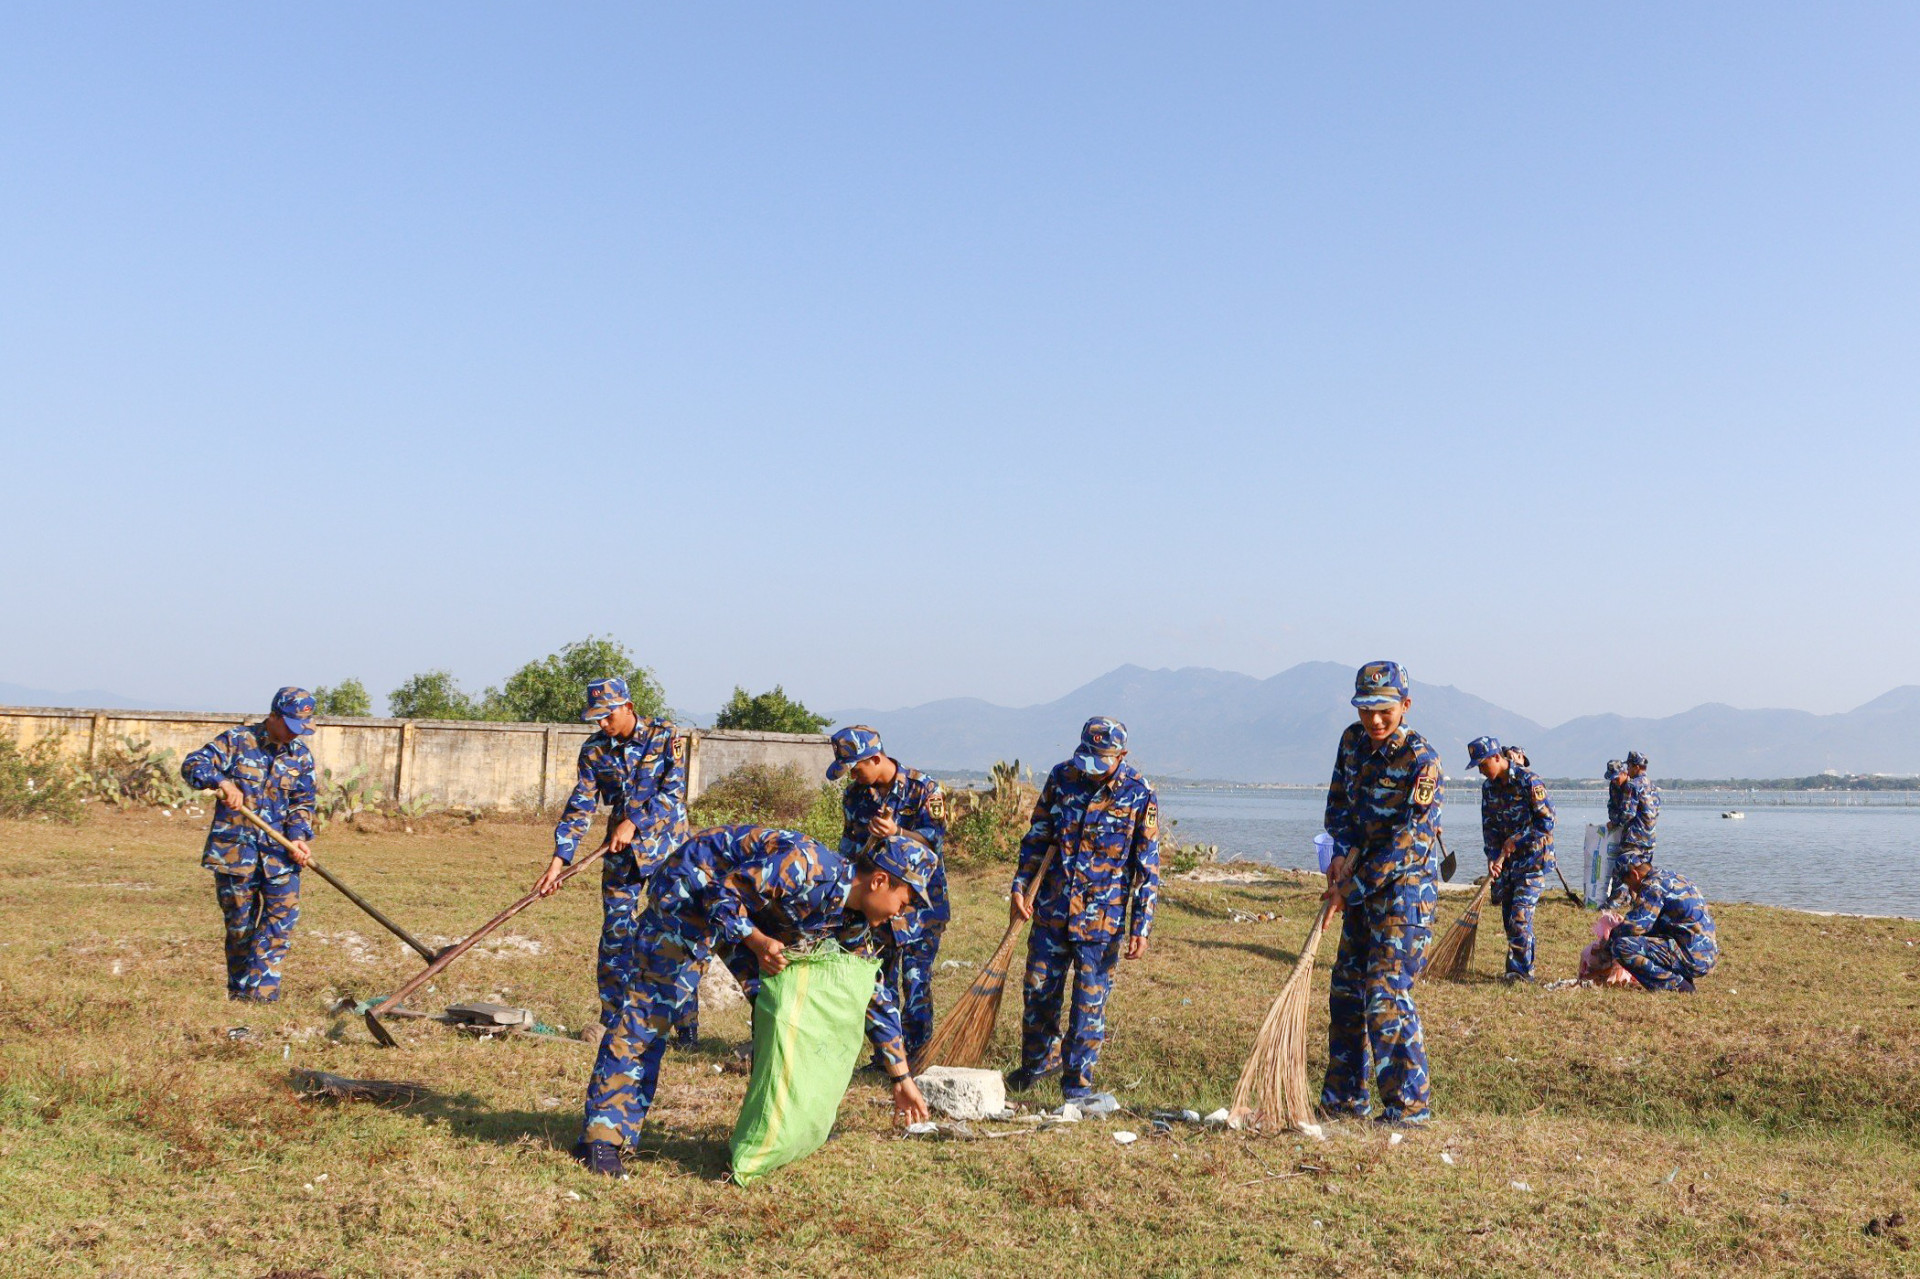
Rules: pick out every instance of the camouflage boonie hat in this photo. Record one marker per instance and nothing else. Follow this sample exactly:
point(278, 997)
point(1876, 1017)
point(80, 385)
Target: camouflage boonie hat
point(907, 860)
point(1636, 760)
point(1482, 748)
point(850, 746)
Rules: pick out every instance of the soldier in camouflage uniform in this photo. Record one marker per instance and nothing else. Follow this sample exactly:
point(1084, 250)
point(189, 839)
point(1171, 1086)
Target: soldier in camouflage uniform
point(1516, 827)
point(267, 768)
point(1666, 937)
point(754, 890)
point(638, 768)
point(1383, 811)
point(1639, 809)
point(883, 798)
point(1102, 817)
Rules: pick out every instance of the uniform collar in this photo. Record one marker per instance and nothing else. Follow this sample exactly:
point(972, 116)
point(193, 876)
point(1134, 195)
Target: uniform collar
point(1392, 743)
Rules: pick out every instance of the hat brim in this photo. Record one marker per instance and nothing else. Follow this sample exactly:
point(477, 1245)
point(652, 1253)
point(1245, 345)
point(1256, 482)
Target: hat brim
point(1372, 700)
point(1088, 762)
point(298, 727)
point(839, 767)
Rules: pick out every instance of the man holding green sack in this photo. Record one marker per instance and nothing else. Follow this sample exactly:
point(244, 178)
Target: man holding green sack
point(764, 890)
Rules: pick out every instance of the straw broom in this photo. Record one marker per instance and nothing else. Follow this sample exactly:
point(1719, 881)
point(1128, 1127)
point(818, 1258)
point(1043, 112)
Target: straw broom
point(1450, 958)
point(961, 1040)
point(1272, 1092)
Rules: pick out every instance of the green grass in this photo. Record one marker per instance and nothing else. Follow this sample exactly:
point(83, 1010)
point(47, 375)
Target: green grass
point(1756, 1127)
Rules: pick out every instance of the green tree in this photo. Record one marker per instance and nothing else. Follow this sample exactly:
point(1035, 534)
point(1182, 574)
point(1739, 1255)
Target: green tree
point(773, 712)
point(553, 689)
point(348, 697)
point(431, 695)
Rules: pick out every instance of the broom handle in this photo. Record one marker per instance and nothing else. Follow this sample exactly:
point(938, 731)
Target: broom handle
point(454, 952)
point(327, 875)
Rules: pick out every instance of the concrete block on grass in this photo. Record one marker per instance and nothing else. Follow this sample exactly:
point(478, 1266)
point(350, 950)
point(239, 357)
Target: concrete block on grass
point(960, 1092)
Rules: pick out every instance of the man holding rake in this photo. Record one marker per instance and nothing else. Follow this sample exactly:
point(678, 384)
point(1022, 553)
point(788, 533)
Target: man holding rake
point(638, 768)
point(1383, 811)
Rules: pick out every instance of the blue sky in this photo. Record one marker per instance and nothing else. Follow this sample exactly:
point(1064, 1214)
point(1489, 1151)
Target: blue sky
point(897, 352)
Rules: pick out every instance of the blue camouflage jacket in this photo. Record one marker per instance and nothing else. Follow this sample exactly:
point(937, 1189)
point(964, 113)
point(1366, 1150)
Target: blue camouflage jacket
point(278, 784)
point(1639, 810)
point(1516, 803)
point(1107, 831)
point(642, 778)
point(916, 802)
point(726, 881)
point(1383, 804)
point(1617, 802)
point(1670, 906)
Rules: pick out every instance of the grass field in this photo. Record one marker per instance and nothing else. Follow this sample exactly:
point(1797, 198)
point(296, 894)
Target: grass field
point(1755, 1128)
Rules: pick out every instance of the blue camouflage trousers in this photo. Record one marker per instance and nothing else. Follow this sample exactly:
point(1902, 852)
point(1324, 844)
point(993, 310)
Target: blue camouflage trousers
point(908, 971)
point(1374, 1025)
point(621, 890)
point(666, 969)
point(260, 915)
point(1517, 895)
point(1050, 952)
point(1657, 963)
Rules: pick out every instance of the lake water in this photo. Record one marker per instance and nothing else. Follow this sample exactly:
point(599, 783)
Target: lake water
point(1857, 852)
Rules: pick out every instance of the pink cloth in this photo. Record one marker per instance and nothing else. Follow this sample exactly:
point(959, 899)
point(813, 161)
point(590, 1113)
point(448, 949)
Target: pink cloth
point(1596, 961)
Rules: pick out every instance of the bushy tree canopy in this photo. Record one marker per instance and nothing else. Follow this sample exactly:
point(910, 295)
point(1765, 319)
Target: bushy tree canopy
point(553, 689)
point(772, 712)
point(431, 695)
point(348, 697)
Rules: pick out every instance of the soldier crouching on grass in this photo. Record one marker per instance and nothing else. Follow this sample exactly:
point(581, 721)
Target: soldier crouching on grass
point(1103, 819)
point(638, 768)
point(1666, 937)
point(265, 767)
point(1383, 811)
point(885, 798)
point(755, 890)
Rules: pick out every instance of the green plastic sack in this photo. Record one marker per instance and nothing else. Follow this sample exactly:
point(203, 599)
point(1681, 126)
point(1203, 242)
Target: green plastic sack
point(809, 1023)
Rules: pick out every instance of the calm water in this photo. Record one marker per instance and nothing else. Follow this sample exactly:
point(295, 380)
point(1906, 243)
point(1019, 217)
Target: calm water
point(1847, 852)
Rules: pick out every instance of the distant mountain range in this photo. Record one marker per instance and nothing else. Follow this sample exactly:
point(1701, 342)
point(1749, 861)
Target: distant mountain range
point(1218, 725)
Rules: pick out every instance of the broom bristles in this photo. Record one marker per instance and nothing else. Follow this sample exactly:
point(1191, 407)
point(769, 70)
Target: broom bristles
point(1272, 1092)
point(1454, 952)
point(962, 1039)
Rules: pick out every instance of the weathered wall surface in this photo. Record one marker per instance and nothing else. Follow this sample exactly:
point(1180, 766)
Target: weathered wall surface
point(455, 763)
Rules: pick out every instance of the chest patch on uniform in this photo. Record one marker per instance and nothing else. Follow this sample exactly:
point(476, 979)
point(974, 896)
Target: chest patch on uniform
point(1426, 784)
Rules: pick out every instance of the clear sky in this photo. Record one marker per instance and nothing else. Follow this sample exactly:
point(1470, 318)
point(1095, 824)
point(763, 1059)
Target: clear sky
point(892, 352)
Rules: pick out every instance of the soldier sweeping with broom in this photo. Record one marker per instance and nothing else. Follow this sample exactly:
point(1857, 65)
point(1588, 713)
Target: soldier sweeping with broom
point(1516, 827)
point(1383, 809)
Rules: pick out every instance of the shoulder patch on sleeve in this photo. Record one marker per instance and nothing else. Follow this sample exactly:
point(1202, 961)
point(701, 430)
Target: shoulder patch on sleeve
point(1152, 819)
point(680, 741)
point(1539, 793)
point(1426, 784)
point(936, 803)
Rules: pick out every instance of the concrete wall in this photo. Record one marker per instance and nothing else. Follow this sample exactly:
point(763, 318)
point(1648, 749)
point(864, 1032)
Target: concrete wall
point(450, 763)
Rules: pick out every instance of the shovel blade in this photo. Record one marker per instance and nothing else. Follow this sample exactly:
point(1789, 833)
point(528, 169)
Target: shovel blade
point(380, 1032)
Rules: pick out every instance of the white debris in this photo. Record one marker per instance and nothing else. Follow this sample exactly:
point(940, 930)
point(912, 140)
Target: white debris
point(1446, 1157)
point(923, 1130)
point(1319, 1224)
point(1395, 1138)
point(1316, 1132)
point(573, 1195)
point(1126, 1138)
point(1068, 1114)
point(719, 990)
point(1521, 1186)
point(1218, 1118)
point(953, 965)
point(960, 1092)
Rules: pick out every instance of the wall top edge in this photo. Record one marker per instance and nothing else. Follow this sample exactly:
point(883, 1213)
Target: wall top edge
point(353, 721)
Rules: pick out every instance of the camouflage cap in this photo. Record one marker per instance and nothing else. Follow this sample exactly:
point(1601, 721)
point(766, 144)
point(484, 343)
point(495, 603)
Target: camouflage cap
point(1633, 855)
point(1636, 760)
point(850, 746)
point(908, 860)
point(1380, 684)
point(295, 706)
point(1481, 749)
point(1099, 736)
point(604, 697)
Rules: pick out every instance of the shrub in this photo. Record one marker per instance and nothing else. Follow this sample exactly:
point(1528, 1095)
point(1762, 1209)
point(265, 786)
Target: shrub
point(553, 689)
point(984, 827)
point(784, 797)
point(772, 712)
point(38, 781)
point(431, 695)
point(131, 772)
point(348, 697)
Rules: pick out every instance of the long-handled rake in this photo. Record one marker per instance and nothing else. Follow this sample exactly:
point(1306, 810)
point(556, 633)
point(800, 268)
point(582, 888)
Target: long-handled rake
point(1272, 1093)
point(961, 1040)
point(460, 948)
point(355, 898)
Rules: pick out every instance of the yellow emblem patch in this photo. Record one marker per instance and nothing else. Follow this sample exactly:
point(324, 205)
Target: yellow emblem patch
point(1539, 793)
point(679, 748)
point(1426, 784)
point(937, 804)
point(1153, 819)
